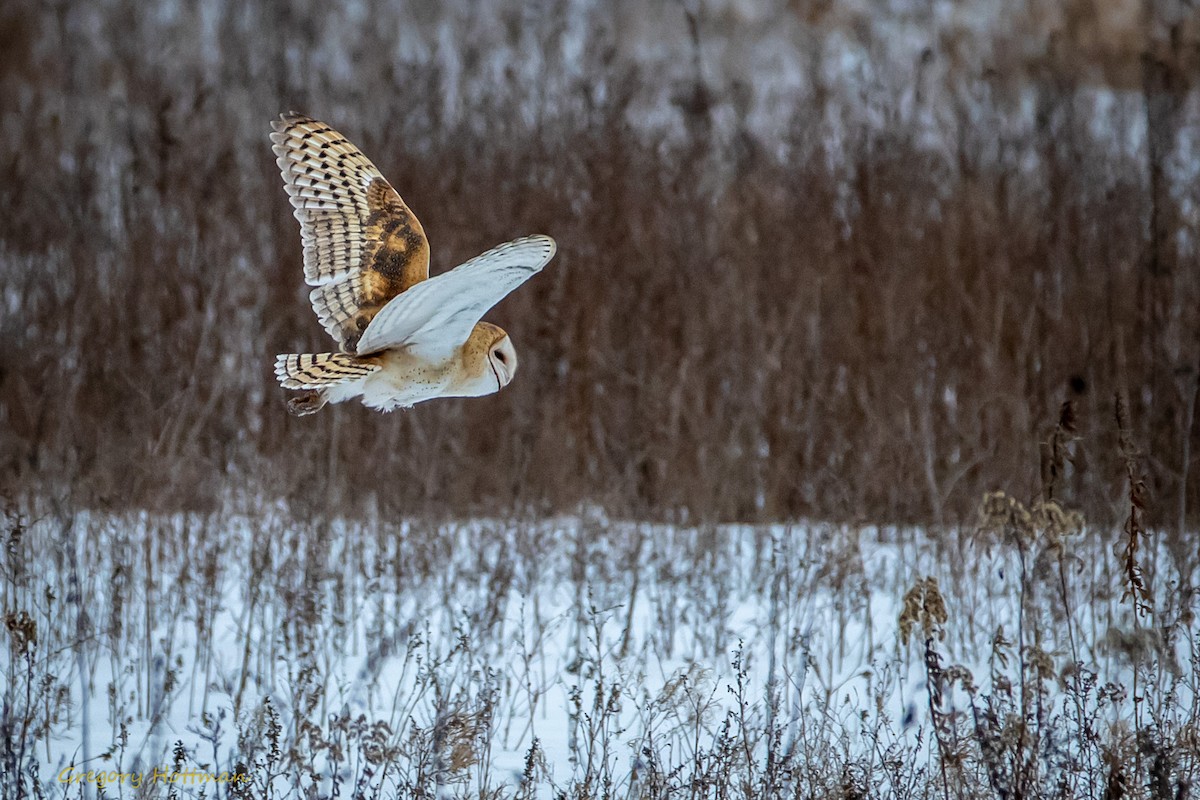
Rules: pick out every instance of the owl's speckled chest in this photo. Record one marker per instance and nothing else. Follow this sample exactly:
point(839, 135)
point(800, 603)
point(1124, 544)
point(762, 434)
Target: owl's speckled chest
point(404, 381)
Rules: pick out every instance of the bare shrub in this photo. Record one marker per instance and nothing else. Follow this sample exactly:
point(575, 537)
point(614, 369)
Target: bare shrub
point(850, 327)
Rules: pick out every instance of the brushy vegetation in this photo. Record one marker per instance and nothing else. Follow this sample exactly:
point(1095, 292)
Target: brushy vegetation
point(862, 297)
point(593, 659)
point(874, 315)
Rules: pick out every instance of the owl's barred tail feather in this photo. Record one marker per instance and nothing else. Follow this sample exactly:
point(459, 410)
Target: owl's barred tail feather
point(320, 370)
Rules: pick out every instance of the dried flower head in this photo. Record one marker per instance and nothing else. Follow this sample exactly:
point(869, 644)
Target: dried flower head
point(924, 606)
point(22, 629)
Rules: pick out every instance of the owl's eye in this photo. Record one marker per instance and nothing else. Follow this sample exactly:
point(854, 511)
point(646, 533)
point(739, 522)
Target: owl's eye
point(500, 355)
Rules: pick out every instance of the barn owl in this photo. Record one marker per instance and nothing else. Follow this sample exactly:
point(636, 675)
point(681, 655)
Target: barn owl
point(404, 337)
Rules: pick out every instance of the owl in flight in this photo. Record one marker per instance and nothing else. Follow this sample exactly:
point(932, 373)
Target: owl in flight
point(404, 337)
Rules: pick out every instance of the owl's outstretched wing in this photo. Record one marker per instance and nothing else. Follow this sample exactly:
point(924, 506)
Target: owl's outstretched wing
point(362, 245)
point(436, 316)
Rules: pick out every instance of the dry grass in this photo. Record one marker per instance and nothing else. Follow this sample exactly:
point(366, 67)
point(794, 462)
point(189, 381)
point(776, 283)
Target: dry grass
point(845, 324)
point(590, 659)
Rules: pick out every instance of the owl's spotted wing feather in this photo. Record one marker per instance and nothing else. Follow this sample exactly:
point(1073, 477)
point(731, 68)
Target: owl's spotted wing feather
point(436, 316)
point(362, 244)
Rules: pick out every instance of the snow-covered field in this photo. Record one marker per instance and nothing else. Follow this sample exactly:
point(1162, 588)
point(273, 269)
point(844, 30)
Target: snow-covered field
point(582, 656)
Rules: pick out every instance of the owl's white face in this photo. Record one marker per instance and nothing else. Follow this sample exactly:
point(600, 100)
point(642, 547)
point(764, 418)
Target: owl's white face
point(487, 363)
point(502, 357)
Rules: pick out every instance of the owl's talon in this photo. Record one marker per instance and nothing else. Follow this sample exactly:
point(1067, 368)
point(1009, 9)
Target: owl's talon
point(305, 403)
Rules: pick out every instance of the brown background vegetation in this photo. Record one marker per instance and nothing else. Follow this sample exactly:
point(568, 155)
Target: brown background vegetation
point(840, 322)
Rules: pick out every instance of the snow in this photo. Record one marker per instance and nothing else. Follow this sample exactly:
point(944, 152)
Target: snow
point(418, 625)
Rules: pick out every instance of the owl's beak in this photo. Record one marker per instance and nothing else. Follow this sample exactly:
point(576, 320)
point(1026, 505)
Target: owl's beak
point(503, 373)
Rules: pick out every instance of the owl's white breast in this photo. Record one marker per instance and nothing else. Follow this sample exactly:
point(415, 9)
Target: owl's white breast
point(404, 381)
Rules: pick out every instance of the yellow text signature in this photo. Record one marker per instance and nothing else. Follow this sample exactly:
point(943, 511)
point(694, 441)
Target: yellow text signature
point(136, 779)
